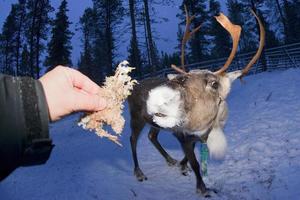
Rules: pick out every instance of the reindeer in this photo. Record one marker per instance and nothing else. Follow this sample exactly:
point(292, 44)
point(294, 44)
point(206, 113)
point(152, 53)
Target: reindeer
point(192, 105)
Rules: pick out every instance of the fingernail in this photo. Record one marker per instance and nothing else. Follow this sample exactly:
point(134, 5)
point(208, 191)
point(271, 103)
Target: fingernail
point(101, 103)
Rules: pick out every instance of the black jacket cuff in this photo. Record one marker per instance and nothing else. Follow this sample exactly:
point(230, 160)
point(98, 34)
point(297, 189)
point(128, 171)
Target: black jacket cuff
point(38, 145)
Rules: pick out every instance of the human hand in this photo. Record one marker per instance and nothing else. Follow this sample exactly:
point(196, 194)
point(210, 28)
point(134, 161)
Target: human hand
point(67, 91)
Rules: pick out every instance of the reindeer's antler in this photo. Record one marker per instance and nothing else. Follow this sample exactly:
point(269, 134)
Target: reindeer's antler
point(235, 32)
point(187, 35)
point(179, 70)
point(260, 48)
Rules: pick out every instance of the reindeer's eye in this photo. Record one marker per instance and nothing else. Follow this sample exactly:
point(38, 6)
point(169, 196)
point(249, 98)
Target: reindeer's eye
point(214, 84)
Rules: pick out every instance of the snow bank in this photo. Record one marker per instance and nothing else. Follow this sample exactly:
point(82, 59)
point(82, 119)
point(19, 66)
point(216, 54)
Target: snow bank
point(262, 162)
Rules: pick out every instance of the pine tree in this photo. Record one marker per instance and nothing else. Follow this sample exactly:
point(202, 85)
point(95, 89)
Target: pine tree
point(109, 14)
point(150, 44)
point(20, 20)
point(37, 28)
point(8, 41)
point(169, 59)
point(95, 60)
point(99, 55)
point(24, 62)
point(134, 51)
point(282, 18)
point(292, 21)
point(296, 6)
point(59, 47)
point(13, 38)
point(1, 55)
point(93, 57)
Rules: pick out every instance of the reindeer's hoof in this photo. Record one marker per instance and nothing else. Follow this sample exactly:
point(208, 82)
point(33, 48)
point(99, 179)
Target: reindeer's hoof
point(185, 170)
point(140, 175)
point(172, 162)
point(207, 193)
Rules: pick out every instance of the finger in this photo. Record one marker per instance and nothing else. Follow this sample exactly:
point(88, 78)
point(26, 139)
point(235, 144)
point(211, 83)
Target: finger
point(88, 102)
point(81, 81)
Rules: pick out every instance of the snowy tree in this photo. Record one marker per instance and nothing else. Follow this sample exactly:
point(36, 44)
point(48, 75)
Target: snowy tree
point(292, 18)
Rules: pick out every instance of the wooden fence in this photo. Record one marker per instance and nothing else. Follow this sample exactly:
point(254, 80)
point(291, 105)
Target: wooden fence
point(281, 57)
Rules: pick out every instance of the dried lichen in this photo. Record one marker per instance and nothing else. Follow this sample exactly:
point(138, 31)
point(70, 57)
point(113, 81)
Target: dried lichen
point(115, 90)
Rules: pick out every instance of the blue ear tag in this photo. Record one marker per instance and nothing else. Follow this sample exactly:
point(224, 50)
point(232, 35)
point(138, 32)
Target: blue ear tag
point(204, 158)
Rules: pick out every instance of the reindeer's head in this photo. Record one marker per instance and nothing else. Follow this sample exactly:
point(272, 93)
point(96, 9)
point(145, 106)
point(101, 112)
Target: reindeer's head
point(195, 101)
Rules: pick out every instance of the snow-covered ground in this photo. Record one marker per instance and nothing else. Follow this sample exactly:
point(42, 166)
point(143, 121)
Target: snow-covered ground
point(263, 160)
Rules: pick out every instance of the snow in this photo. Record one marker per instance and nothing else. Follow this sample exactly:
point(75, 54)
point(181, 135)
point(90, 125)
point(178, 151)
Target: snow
point(263, 159)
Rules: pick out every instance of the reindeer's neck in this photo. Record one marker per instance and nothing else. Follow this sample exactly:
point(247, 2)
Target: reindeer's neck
point(203, 129)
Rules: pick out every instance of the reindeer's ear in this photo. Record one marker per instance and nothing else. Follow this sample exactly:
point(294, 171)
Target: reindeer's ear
point(172, 76)
point(234, 75)
point(226, 82)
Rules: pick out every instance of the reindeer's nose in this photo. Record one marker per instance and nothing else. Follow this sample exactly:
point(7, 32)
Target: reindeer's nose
point(160, 115)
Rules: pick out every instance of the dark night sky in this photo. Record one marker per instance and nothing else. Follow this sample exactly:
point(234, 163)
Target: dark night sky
point(165, 30)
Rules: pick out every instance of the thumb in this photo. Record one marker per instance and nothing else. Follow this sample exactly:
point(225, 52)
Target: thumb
point(88, 102)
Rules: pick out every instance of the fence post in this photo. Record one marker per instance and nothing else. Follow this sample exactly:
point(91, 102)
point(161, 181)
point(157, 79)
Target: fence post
point(291, 59)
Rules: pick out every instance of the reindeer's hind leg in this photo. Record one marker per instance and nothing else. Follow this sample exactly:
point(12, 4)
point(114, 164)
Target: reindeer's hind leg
point(183, 163)
point(136, 128)
point(153, 133)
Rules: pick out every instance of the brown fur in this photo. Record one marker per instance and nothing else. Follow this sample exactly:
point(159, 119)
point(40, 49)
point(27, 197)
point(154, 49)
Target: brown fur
point(200, 103)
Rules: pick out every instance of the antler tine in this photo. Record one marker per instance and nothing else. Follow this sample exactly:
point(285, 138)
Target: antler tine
point(235, 32)
point(260, 48)
point(181, 71)
point(187, 35)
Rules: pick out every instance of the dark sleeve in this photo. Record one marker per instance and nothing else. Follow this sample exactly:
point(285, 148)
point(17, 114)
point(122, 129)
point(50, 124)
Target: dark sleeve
point(24, 134)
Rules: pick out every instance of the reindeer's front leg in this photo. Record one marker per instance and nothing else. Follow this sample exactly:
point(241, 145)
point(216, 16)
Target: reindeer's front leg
point(188, 148)
point(137, 126)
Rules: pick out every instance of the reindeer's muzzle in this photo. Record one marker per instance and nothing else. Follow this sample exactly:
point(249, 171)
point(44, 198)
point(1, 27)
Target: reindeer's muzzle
point(164, 105)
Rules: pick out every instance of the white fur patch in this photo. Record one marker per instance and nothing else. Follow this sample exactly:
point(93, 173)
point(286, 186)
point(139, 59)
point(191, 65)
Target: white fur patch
point(234, 75)
point(199, 133)
point(217, 143)
point(226, 82)
point(166, 101)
